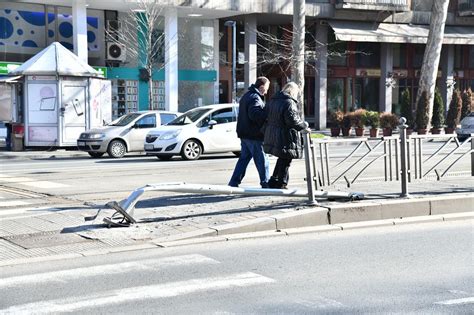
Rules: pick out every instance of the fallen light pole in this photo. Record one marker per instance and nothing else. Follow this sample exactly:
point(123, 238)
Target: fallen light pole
point(126, 207)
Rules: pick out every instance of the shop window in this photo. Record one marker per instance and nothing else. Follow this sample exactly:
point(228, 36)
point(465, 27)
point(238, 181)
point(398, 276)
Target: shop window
point(399, 55)
point(335, 94)
point(419, 51)
point(471, 57)
point(400, 86)
point(337, 51)
point(458, 56)
point(366, 93)
point(368, 55)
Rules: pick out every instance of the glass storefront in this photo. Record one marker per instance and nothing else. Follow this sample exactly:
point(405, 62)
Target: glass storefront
point(366, 93)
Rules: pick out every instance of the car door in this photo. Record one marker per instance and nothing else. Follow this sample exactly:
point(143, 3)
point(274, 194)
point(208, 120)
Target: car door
point(139, 130)
point(222, 136)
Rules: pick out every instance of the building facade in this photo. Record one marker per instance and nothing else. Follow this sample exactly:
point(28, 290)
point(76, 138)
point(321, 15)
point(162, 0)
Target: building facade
point(361, 53)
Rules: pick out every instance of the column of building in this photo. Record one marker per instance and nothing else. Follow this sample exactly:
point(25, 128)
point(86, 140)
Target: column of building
point(447, 74)
point(386, 77)
point(321, 76)
point(171, 59)
point(79, 29)
point(250, 68)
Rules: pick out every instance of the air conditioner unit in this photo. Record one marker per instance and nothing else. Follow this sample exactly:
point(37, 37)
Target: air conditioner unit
point(116, 52)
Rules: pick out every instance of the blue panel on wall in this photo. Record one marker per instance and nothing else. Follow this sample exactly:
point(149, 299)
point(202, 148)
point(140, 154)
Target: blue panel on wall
point(197, 75)
point(35, 18)
point(6, 28)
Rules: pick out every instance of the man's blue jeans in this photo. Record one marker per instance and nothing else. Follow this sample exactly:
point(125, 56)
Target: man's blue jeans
point(251, 149)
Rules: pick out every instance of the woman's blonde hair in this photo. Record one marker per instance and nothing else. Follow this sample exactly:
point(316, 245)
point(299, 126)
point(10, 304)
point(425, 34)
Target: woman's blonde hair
point(292, 89)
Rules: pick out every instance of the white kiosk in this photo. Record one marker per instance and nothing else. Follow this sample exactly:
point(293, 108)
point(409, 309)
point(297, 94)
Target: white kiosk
point(62, 97)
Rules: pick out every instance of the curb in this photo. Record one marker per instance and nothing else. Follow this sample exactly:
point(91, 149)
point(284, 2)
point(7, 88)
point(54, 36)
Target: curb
point(337, 217)
point(363, 214)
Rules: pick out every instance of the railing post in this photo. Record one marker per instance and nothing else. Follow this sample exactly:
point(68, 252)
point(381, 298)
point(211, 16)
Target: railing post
point(472, 155)
point(403, 156)
point(309, 173)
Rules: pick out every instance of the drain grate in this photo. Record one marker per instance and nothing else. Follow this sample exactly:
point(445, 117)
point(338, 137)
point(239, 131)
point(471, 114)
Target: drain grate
point(45, 239)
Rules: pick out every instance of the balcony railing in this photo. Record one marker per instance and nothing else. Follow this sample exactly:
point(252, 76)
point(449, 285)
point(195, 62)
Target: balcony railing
point(397, 5)
point(466, 7)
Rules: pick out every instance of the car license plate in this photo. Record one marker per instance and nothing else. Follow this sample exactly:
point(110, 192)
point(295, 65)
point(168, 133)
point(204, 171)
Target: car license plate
point(81, 143)
point(149, 146)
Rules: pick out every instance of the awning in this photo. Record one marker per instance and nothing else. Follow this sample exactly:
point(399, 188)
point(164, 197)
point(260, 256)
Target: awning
point(10, 79)
point(398, 33)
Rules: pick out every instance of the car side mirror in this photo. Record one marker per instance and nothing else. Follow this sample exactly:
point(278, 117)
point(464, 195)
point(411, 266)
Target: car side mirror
point(211, 123)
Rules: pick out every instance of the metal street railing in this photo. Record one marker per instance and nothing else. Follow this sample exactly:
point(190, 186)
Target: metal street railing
point(401, 158)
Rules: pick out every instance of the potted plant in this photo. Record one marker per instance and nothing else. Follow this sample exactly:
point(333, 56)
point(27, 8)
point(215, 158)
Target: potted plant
point(466, 103)
point(347, 122)
point(422, 114)
point(372, 119)
point(437, 120)
point(358, 122)
point(454, 112)
point(335, 122)
point(388, 122)
point(406, 110)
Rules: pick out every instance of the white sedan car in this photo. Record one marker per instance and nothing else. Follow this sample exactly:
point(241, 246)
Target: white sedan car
point(205, 129)
point(467, 127)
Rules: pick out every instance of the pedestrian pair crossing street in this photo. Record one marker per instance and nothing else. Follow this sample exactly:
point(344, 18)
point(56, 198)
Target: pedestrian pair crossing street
point(108, 287)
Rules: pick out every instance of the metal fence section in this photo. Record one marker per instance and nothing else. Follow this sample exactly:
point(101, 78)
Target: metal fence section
point(396, 158)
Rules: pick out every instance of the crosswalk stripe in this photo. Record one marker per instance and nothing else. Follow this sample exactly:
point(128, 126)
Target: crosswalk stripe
point(13, 203)
point(10, 179)
point(30, 182)
point(468, 300)
point(44, 184)
point(139, 293)
point(27, 211)
point(77, 273)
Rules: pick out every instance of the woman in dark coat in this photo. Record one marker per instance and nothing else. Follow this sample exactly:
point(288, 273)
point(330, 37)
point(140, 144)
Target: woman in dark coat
point(282, 133)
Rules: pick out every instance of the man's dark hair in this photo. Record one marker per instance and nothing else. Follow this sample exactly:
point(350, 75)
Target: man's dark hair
point(261, 81)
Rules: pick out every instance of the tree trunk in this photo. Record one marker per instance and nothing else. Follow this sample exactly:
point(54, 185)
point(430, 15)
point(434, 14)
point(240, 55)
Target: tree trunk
point(297, 71)
point(429, 69)
point(150, 91)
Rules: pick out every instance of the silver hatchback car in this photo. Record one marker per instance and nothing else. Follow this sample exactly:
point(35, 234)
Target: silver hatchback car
point(125, 134)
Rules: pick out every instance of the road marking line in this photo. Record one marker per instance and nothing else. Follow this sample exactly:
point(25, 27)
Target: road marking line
point(139, 293)
point(44, 184)
point(10, 179)
point(468, 300)
point(28, 212)
point(13, 203)
point(111, 269)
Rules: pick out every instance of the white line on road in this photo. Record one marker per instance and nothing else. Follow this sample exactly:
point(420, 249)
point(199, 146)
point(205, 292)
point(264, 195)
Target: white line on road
point(77, 273)
point(26, 212)
point(13, 203)
point(44, 184)
point(468, 300)
point(138, 293)
point(30, 182)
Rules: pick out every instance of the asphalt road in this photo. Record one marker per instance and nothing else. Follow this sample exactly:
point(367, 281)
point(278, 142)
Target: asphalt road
point(100, 180)
point(415, 269)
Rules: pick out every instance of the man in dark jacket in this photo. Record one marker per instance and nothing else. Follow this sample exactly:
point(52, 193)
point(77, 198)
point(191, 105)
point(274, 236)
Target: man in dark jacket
point(250, 121)
point(282, 133)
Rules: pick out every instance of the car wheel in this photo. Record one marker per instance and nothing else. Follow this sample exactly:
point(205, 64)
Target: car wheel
point(236, 153)
point(96, 154)
point(191, 150)
point(116, 149)
point(164, 157)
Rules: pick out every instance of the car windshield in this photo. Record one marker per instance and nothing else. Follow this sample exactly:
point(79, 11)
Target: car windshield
point(125, 120)
point(189, 117)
